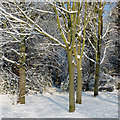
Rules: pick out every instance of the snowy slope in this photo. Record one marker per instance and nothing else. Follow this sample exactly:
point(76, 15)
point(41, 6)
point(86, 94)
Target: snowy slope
point(55, 105)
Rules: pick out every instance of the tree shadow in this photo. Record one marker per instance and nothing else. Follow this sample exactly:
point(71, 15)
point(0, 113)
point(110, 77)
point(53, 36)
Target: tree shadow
point(62, 97)
point(101, 98)
point(87, 94)
point(58, 104)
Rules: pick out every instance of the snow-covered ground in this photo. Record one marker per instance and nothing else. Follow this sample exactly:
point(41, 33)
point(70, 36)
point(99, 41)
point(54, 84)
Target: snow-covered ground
point(55, 105)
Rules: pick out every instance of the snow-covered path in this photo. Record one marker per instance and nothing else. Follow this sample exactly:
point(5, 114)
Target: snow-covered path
point(55, 105)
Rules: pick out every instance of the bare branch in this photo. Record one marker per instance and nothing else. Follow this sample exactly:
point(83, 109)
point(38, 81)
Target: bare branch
point(104, 54)
point(88, 57)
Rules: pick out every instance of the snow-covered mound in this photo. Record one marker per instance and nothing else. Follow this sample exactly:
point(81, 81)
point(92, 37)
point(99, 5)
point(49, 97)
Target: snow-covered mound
point(55, 105)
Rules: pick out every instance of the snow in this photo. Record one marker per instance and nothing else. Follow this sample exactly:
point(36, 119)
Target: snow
point(15, 51)
point(63, 9)
point(80, 69)
point(78, 56)
point(89, 57)
point(8, 60)
point(43, 11)
point(55, 105)
point(79, 34)
point(73, 62)
point(10, 15)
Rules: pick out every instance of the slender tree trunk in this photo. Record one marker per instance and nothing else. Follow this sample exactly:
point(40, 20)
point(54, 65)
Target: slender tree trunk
point(79, 84)
point(22, 76)
point(79, 63)
point(98, 52)
point(71, 82)
point(22, 86)
point(96, 79)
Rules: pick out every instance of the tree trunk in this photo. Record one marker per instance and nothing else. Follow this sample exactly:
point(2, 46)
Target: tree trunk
point(98, 53)
point(22, 76)
point(71, 82)
point(21, 99)
point(96, 79)
point(79, 84)
point(79, 62)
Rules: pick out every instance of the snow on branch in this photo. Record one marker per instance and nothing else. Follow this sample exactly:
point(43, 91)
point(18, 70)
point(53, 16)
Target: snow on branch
point(73, 62)
point(107, 30)
point(91, 44)
point(79, 34)
point(70, 12)
point(12, 26)
point(61, 8)
point(104, 54)
point(78, 56)
point(15, 51)
point(53, 44)
point(88, 57)
point(8, 60)
point(5, 43)
point(39, 29)
point(14, 33)
point(43, 11)
point(88, 19)
point(10, 16)
point(52, 38)
point(102, 7)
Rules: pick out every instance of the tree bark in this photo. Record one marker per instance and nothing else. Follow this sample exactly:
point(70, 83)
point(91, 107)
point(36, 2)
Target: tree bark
point(96, 79)
point(22, 76)
point(71, 82)
point(79, 84)
point(98, 48)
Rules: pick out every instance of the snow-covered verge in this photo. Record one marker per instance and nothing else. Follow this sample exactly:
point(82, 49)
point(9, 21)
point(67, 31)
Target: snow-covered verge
point(55, 105)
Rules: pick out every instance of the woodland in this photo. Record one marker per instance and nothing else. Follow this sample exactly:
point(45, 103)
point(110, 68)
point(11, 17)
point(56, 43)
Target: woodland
point(72, 46)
